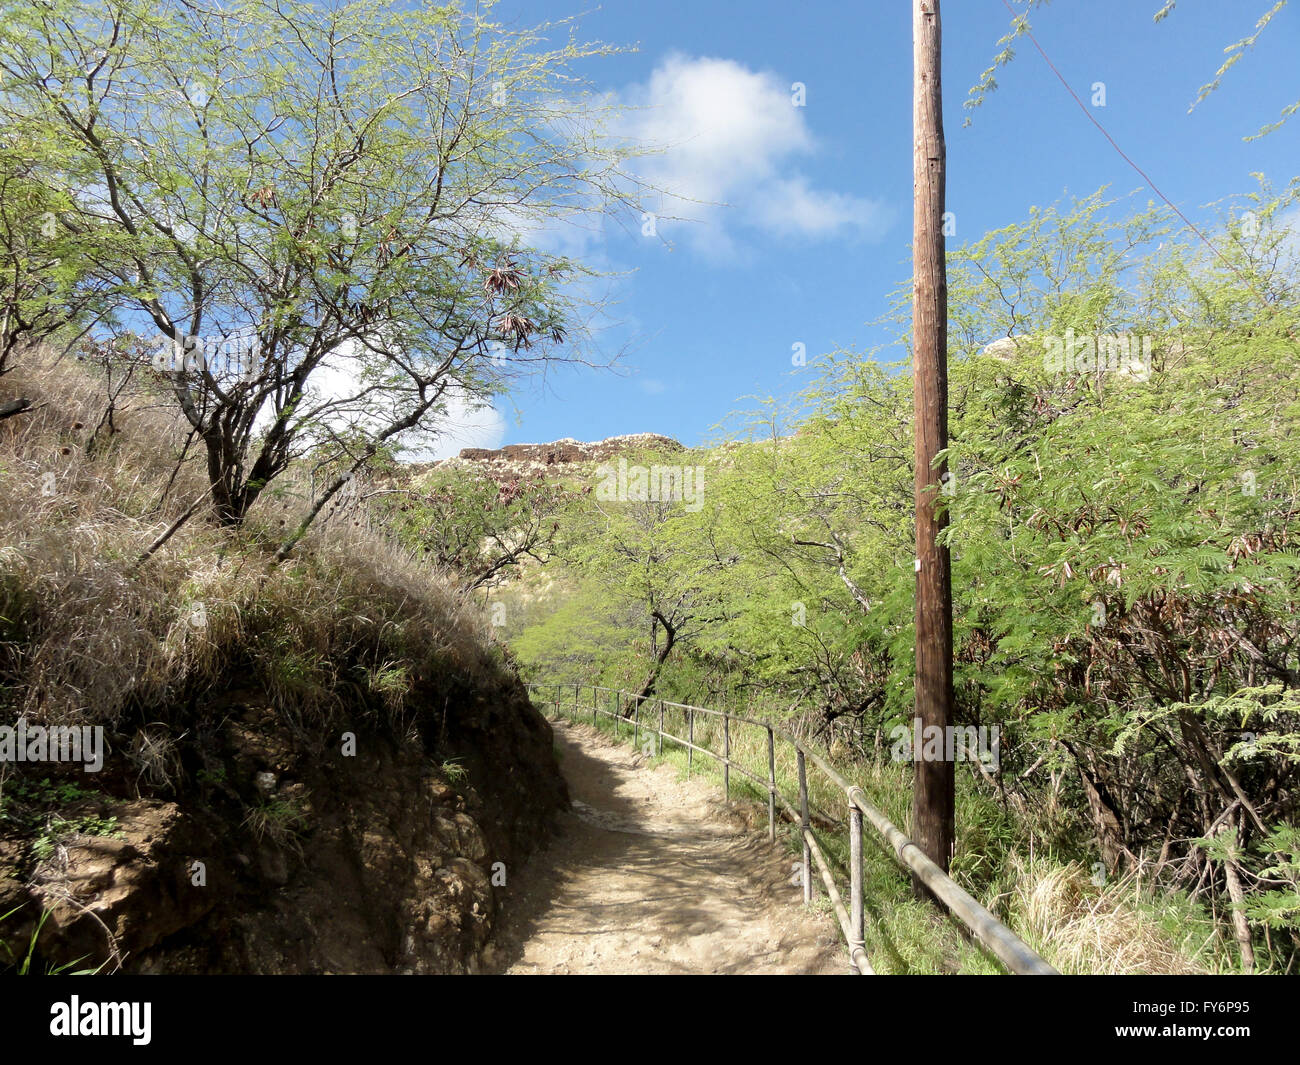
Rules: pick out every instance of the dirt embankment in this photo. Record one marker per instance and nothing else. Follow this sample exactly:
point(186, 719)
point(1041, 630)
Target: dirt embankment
point(283, 854)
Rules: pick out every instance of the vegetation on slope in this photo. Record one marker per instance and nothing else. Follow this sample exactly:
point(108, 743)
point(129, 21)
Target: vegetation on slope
point(211, 667)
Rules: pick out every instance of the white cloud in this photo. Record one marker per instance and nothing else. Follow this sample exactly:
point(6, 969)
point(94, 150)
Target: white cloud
point(466, 425)
point(732, 136)
point(792, 208)
point(728, 153)
point(720, 126)
point(466, 421)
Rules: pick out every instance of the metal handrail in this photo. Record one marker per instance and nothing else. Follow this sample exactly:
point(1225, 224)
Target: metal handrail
point(987, 929)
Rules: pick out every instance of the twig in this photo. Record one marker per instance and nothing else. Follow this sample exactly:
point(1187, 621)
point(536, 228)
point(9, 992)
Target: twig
point(153, 547)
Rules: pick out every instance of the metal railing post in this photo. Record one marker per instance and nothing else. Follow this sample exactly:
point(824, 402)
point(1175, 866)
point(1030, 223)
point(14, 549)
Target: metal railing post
point(726, 755)
point(856, 905)
point(594, 711)
point(636, 721)
point(690, 738)
point(771, 786)
point(661, 728)
point(617, 709)
point(803, 828)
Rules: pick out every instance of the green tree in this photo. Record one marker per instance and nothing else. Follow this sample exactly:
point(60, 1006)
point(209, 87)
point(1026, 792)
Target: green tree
point(651, 551)
point(480, 530)
point(328, 213)
point(46, 287)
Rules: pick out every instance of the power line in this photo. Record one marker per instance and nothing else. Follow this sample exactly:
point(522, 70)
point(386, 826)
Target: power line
point(1144, 175)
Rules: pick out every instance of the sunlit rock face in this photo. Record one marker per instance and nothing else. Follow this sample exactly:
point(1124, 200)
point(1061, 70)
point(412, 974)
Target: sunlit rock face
point(530, 460)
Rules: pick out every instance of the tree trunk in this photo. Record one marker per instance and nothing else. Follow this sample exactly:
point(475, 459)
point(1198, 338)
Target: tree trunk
point(648, 688)
point(1232, 874)
point(933, 796)
point(226, 506)
point(1106, 823)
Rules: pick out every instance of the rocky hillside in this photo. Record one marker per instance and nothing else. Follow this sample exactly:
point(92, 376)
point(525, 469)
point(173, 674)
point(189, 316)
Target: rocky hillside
point(523, 461)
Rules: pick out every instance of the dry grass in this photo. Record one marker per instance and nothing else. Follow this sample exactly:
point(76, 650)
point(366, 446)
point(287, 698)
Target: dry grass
point(1107, 929)
point(87, 636)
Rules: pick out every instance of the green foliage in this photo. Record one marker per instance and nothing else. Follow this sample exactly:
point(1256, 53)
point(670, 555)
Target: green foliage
point(1122, 518)
point(471, 525)
point(1278, 905)
point(281, 820)
point(44, 793)
point(24, 966)
point(647, 554)
point(48, 287)
point(580, 636)
point(34, 809)
point(58, 829)
point(1006, 53)
point(209, 777)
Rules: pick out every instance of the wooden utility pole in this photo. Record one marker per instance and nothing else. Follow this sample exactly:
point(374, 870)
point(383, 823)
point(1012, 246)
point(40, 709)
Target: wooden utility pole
point(932, 799)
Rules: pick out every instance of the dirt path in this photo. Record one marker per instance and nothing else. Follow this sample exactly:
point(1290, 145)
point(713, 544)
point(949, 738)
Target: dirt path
point(652, 874)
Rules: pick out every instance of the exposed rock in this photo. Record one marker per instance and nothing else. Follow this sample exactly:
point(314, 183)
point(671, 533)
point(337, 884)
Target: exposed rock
point(1005, 349)
point(120, 891)
point(516, 461)
point(568, 450)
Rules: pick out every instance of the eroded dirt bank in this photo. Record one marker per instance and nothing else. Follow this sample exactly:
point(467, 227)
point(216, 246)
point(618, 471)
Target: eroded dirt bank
point(277, 852)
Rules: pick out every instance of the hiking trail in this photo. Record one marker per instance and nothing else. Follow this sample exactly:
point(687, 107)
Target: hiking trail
point(648, 873)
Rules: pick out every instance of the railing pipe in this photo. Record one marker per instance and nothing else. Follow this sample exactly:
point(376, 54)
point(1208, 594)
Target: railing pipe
point(857, 932)
point(771, 785)
point(859, 955)
point(690, 738)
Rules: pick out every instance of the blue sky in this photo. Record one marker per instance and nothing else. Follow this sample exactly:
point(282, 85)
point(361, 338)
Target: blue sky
point(816, 229)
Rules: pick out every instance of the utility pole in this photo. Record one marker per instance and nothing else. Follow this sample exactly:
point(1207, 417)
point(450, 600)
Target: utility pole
point(932, 797)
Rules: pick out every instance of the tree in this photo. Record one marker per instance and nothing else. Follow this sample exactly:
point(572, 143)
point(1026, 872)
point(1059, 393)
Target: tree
point(813, 525)
point(331, 236)
point(469, 524)
point(652, 552)
point(1128, 589)
point(45, 287)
